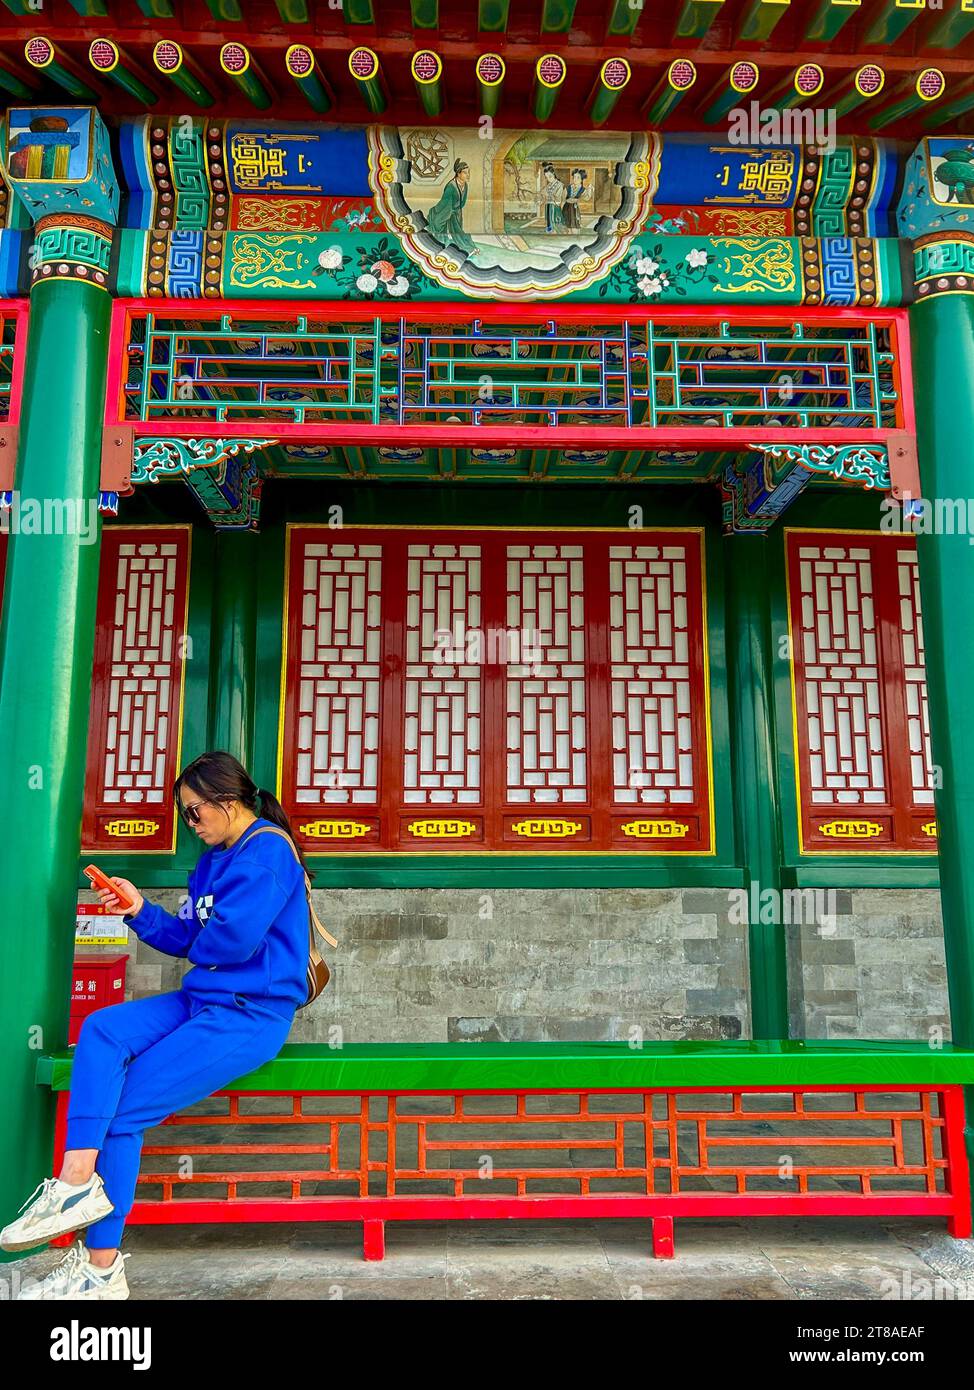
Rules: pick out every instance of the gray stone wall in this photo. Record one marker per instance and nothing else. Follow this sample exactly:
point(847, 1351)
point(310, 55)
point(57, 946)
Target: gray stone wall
point(443, 965)
point(880, 974)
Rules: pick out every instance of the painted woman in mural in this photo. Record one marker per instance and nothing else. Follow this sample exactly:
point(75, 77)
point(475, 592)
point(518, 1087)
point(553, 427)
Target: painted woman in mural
point(445, 219)
point(244, 928)
point(570, 209)
point(554, 196)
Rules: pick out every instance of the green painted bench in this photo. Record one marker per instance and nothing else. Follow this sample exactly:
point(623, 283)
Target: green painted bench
point(374, 1132)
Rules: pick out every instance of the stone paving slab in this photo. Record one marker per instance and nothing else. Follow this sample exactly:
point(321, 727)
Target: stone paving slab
point(775, 1258)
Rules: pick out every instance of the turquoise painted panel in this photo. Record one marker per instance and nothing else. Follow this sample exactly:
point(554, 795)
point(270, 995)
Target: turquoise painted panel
point(729, 271)
point(59, 161)
point(938, 187)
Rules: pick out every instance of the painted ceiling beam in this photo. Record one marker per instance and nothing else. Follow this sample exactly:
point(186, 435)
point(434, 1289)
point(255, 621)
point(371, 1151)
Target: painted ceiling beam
point(492, 16)
point(865, 84)
point(13, 83)
point(613, 78)
point(427, 70)
point(929, 86)
point(739, 82)
point(892, 19)
point(43, 56)
point(829, 19)
point(224, 9)
point(549, 74)
point(108, 61)
point(363, 64)
point(156, 9)
point(169, 59)
point(300, 63)
point(425, 13)
point(941, 116)
point(236, 62)
point(669, 91)
point(761, 18)
point(358, 11)
point(955, 24)
point(804, 84)
point(623, 18)
point(490, 71)
point(696, 17)
point(292, 11)
point(557, 16)
point(89, 9)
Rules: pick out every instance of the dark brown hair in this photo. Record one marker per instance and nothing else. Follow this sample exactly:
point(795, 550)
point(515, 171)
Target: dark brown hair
point(219, 777)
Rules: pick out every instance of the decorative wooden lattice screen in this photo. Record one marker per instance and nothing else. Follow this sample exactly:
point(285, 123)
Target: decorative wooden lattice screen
point(136, 710)
point(496, 689)
point(861, 735)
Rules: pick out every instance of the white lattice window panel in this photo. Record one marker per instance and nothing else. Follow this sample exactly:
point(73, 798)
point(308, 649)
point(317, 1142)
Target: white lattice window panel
point(143, 675)
point(545, 693)
point(338, 675)
point(650, 676)
point(842, 682)
point(914, 676)
point(443, 695)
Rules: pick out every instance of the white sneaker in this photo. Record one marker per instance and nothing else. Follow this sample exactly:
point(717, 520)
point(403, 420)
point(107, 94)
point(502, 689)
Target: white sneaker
point(77, 1277)
point(53, 1209)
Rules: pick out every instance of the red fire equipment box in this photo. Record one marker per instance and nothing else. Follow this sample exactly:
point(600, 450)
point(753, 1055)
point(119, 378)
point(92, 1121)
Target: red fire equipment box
point(98, 980)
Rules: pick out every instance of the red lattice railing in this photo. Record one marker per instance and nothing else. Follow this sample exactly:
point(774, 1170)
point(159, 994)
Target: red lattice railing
point(817, 1150)
point(543, 376)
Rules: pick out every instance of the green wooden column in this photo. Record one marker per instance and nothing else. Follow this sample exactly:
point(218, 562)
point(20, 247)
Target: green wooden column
point(942, 333)
point(47, 639)
point(233, 645)
point(46, 649)
point(751, 685)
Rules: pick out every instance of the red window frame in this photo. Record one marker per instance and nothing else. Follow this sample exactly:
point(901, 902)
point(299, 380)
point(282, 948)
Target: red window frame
point(597, 825)
point(114, 827)
point(898, 823)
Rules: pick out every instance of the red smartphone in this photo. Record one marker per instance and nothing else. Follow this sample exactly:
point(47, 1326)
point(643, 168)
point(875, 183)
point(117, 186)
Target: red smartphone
point(101, 880)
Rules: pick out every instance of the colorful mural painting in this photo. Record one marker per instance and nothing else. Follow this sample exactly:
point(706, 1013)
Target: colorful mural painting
point(526, 213)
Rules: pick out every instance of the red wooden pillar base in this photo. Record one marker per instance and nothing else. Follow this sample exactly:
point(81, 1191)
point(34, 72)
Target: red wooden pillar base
point(373, 1240)
point(663, 1247)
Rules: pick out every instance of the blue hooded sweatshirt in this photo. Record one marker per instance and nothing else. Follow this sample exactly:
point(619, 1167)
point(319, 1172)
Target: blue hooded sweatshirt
point(244, 927)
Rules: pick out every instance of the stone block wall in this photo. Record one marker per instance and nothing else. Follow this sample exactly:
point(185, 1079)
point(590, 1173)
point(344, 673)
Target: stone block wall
point(880, 974)
point(443, 965)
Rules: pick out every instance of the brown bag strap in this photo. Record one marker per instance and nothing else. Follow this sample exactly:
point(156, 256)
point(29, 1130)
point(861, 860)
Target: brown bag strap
point(275, 830)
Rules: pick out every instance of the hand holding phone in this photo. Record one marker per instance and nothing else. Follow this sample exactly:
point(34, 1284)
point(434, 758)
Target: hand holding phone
point(110, 891)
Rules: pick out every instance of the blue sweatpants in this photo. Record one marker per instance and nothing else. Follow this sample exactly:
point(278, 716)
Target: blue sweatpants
point(136, 1063)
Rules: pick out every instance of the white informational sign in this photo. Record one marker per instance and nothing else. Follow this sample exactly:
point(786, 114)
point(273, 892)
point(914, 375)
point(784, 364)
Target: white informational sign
point(96, 927)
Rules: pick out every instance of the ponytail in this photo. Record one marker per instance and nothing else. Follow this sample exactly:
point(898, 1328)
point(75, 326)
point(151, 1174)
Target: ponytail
point(272, 810)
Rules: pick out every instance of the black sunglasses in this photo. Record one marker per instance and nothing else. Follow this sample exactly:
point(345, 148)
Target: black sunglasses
point(191, 814)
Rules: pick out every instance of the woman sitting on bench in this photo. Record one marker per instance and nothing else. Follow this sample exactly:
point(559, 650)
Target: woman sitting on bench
point(244, 927)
